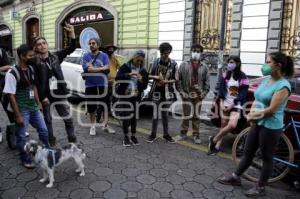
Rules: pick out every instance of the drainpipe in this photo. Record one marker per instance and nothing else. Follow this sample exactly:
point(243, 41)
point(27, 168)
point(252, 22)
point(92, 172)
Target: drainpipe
point(222, 43)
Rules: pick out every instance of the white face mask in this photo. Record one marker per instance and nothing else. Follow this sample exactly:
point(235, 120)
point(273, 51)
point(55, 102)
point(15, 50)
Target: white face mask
point(196, 56)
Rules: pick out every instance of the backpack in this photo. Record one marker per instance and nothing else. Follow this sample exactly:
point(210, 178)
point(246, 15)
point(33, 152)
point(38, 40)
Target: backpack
point(11, 128)
point(16, 73)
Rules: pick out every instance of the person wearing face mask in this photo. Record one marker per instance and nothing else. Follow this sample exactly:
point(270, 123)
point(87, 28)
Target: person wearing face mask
point(20, 86)
point(114, 65)
point(266, 119)
point(133, 81)
point(193, 85)
point(232, 93)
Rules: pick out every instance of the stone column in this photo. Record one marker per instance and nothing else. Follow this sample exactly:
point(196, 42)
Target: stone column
point(237, 17)
point(188, 28)
point(275, 25)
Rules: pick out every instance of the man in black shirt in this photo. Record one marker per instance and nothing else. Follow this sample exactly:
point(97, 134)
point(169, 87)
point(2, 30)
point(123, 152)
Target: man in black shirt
point(51, 85)
point(4, 66)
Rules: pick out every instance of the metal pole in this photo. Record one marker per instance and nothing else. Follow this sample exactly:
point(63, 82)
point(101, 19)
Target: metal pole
point(222, 41)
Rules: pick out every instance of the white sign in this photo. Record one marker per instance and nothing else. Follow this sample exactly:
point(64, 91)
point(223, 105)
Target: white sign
point(86, 18)
point(4, 32)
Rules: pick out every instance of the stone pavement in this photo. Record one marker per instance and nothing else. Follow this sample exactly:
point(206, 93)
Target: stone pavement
point(157, 170)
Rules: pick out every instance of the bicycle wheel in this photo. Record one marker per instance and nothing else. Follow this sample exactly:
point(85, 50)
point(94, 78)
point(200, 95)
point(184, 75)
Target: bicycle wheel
point(284, 151)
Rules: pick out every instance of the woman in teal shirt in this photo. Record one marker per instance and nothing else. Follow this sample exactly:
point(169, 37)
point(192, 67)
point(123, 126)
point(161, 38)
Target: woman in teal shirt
point(266, 119)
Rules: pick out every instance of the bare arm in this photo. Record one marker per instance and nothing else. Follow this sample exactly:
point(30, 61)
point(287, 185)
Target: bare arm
point(278, 98)
point(15, 108)
point(92, 69)
point(4, 68)
point(36, 97)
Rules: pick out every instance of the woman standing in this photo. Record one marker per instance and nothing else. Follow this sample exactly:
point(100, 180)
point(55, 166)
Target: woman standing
point(266, 118)
point(134, 80)
point(232, 93)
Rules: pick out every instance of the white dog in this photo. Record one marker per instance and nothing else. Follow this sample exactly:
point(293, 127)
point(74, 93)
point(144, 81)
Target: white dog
point(48, 159)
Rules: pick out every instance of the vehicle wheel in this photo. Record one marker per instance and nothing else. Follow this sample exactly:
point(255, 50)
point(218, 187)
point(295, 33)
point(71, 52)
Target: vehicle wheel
point(284, 151)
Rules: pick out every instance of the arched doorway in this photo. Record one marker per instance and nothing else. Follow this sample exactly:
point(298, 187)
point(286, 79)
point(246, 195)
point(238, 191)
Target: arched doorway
point(32, 29)
point(96, 14)
point(6, 39)
point(91, 17)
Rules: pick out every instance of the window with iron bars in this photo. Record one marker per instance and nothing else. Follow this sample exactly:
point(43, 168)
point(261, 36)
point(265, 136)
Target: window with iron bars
point(290, 36)
point(207, 24)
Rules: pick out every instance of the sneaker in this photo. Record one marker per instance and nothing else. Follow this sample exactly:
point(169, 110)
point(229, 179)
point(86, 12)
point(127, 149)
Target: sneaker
point(72, 139)
point(108, 129)
point(230, 179)
point(134, 141)
point(211, 144)
point(197, 139)
point(169, 139)
point(256, 191)
point(181, 137)
point(26, 134)
point(1, 137)
point(28, 165)
point(93, 131)
point(151, 138)
point(214, 151)
point(102, 124)
point(126, 141)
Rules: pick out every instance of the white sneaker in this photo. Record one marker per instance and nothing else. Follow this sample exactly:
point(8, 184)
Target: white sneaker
point(108, 129)
point(102, 124)
point(93, 130)
point(0, 137)
point(26, 134)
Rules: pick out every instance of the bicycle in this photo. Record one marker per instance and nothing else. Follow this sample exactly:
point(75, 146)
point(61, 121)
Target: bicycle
point(284, 156)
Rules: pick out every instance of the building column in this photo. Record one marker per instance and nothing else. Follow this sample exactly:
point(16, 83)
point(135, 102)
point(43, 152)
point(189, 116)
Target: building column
point(237, 18)
point(275, 25)
point(188, 28)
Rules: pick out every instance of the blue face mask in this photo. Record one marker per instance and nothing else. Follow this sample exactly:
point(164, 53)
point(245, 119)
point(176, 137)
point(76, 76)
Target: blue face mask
point(231, 66)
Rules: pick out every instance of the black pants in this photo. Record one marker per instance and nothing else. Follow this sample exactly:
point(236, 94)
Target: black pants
point(265, 139)
point(63, 109)
point(5, 102)
point(160, 111)
point(131, 114)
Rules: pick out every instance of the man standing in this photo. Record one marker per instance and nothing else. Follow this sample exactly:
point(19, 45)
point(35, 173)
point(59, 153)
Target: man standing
point(193, 86)
point(114, 65)
point(163, 73)
point(4, 66)
point(24, 101)
point(49, 71)
point(95, 65)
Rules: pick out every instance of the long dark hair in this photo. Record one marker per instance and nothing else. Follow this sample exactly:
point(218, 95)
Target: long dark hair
point(287, 63)
point(237, 71)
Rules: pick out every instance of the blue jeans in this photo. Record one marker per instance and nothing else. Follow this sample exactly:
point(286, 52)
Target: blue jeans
point(35, 118)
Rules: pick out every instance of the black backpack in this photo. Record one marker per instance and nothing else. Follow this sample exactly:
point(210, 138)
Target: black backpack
point(11, 128)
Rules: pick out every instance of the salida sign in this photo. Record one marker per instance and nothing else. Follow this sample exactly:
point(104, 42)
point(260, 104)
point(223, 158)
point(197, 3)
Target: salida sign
point(86, 18)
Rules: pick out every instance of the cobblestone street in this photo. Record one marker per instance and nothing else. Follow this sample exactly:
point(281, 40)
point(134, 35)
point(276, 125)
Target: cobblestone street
point(158, 170)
